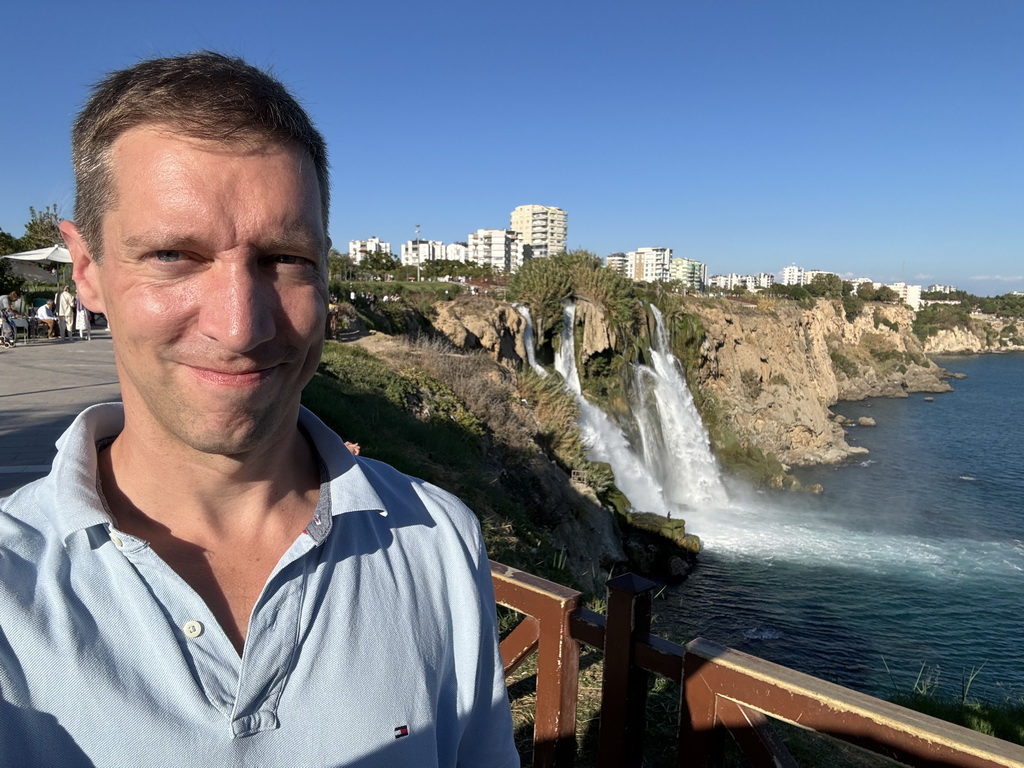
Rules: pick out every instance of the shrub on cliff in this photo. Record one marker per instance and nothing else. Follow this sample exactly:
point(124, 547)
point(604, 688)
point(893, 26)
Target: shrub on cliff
point(545, 283)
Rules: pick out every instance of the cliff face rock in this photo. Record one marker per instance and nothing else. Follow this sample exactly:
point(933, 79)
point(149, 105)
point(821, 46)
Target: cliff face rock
point(471, 322)
point(954, 341)
point(597, 334)
point(776, 369)
point(986, 333)
point(773, 369)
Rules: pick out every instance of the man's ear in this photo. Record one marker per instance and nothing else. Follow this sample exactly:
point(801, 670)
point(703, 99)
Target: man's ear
point(86, 270)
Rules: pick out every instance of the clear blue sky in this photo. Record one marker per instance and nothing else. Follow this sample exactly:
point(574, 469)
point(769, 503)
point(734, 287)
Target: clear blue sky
point(878, 138)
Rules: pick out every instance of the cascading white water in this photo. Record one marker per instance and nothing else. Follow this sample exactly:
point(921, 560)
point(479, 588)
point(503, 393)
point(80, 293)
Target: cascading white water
point(680, 447)
point(605, 441)
point(671, 467)
point(529, 342)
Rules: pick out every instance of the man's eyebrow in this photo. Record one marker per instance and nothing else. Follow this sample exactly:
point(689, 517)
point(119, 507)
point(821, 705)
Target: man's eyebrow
point(298, 238)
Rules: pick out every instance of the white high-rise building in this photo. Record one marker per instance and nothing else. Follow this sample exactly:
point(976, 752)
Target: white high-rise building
point(416, 253)
point(457, 252)
point(357, 249)
point(692, 273)
point(502, 249)
point(793, 275)
point(649, 264)
point(619, 262)
point(544, 229)
point(909, 294)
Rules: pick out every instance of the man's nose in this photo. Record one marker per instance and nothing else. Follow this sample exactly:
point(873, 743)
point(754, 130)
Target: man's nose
point(238, 309)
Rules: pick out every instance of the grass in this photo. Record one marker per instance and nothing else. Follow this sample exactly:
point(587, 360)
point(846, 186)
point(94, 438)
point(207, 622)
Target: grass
point(1003, 720)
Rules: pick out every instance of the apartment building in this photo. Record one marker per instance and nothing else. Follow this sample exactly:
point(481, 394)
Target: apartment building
point(544, 229)
point(909, 294)
point(792, 275)
point(416, 253)
point(617, 262)
point(643, 264)
point(457, 252)
point(651, 264)
point(502, 249)
point(690, 272)
point(358, 249)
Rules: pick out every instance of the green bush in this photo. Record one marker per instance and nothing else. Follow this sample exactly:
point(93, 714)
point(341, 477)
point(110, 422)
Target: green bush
point(843, 364)
point(751, 381)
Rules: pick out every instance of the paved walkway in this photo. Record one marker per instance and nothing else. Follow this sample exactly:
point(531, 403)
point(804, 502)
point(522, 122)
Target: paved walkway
point(43, 386)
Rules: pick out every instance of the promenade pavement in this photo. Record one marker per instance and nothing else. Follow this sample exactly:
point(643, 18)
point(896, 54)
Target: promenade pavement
point(43, 385)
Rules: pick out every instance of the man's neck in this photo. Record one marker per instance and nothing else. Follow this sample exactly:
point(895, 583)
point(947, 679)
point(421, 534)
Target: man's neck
point(222, 523)
point(188, 489)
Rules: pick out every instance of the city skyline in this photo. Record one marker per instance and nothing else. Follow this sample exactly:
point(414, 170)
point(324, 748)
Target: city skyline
point(870, 138)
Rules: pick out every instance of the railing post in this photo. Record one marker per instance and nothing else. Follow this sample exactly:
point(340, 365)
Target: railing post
point(624, 688)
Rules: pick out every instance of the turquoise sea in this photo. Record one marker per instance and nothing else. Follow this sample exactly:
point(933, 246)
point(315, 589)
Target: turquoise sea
point(913, 558)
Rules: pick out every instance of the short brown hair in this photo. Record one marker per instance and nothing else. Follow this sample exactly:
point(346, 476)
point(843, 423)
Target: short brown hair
point(203, 95)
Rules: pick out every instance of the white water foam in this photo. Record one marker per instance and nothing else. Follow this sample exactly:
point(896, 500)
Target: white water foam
point(670, 469)
point(529, 341)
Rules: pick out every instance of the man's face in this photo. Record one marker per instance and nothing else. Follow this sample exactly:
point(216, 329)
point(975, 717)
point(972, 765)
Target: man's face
point(213, 280)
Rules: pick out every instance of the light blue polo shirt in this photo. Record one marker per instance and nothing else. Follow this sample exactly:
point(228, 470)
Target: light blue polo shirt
point(372, 645)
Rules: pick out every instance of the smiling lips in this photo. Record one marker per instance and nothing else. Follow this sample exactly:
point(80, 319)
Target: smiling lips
point(233, 378)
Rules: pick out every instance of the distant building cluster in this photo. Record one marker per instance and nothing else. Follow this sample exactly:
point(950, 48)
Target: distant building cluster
point(540, 231)
point(758, 282)
point(534, 232)
point(653, 264)
point(909, 294)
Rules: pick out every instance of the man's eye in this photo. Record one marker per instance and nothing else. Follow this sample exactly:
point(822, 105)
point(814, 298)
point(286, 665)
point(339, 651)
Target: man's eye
point(168, 256)
point(284, 258)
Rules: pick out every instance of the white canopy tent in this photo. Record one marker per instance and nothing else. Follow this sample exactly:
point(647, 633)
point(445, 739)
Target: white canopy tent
point(57, 254)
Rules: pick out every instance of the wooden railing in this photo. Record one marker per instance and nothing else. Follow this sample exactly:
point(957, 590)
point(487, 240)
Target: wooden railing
point(722, 691)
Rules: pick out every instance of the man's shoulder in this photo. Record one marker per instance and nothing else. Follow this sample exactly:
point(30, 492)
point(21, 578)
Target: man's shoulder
point(395, 486)
point(25, 532)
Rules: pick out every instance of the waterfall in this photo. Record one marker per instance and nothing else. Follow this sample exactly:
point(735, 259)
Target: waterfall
point(682, 455)
point(669, 467)
point(529, 342)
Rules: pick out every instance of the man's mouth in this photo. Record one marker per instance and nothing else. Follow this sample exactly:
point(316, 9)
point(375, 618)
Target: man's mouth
point(243, 377)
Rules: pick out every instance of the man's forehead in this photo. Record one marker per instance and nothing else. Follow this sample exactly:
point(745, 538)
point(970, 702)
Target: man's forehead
point(173, 139)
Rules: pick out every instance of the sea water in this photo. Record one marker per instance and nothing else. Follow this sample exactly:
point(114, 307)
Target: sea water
point(908, 569)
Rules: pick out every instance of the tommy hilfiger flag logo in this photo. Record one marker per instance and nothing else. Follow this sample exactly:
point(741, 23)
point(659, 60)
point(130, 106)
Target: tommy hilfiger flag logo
point(402, 730)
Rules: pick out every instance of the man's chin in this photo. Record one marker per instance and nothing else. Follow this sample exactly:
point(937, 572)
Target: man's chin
point(234, 437)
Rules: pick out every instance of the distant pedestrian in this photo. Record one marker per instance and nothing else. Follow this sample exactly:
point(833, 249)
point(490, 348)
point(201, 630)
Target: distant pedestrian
point(82, 324)
point(66, 313)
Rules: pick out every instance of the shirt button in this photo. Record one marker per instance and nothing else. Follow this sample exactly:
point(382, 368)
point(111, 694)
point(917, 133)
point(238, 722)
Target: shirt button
point(117, 540)
point(193, 629)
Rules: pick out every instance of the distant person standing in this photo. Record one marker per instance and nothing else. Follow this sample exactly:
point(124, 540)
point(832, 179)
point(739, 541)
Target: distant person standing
point(82, 324)
point(66, 313)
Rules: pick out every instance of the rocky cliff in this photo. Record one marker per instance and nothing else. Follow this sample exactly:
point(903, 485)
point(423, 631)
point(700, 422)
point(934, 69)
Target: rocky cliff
point(983, 333)
point(776, 368)
point(770, 370)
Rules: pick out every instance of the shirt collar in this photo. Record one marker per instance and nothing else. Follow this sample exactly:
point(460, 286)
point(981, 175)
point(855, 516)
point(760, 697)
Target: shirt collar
point(78, 503)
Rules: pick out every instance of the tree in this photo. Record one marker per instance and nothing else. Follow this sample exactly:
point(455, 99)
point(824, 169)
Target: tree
point(886, 294)
point(380, 263)
point(42, 229)
point(340, 266)
point(8, 280)
point(826, 284)
point(867, 291)
point(8, 243)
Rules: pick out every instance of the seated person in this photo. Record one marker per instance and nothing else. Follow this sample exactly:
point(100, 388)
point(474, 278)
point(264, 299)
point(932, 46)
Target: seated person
point(48, 317)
